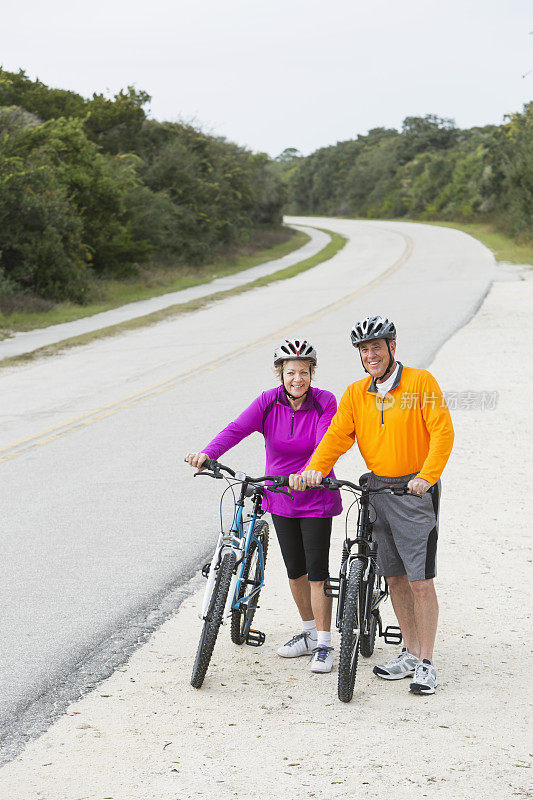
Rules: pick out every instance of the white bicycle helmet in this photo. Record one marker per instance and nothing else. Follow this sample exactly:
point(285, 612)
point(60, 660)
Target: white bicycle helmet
point(294, 349)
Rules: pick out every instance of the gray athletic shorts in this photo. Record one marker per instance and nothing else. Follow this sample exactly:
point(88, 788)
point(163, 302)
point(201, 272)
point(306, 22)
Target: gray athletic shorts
point(406, 530)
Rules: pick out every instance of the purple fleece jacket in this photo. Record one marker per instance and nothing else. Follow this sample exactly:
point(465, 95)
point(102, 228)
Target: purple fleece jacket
point(290, 439)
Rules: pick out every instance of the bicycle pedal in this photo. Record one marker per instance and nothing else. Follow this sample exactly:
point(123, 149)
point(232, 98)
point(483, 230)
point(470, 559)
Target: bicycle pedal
point(255, 638)
point(392, 634)
point(206, 569)
point(331, 587)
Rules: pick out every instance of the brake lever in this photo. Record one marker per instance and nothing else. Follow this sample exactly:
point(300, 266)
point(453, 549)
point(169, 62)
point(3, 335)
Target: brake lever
point(287, 494)
point(205, 474)
point(279, 491)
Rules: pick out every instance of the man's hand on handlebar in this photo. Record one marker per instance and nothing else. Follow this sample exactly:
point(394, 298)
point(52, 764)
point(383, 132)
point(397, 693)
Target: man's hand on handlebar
point(196, 460)
point(418, 486)
point(309, 478)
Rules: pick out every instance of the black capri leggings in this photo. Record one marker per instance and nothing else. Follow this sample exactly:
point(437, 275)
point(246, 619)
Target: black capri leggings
point(304, 544)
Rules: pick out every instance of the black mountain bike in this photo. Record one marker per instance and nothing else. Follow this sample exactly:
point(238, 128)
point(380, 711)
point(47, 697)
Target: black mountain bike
point(359, 589)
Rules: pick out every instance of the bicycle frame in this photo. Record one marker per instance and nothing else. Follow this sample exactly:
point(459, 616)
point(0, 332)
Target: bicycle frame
point(367, 553)
point(238, 563)
point(374, 591)
point(240, 542)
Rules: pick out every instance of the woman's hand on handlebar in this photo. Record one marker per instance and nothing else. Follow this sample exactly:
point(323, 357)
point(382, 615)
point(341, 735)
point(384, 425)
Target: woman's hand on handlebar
point(296, 482)
point(196, 460)
point(307, 479)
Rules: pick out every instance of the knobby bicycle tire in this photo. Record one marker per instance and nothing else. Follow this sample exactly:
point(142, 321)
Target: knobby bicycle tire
point(213, 620)
point(350, 640)
point(242, 617)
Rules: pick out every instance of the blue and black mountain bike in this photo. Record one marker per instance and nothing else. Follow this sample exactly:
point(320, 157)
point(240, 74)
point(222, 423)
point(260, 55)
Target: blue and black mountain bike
point(236, 573)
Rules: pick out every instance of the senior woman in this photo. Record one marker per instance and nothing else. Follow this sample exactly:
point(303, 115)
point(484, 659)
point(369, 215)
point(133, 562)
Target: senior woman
point(293, 418)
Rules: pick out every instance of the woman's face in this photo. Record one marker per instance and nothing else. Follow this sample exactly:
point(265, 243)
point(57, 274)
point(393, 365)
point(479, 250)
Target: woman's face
point(296, 376)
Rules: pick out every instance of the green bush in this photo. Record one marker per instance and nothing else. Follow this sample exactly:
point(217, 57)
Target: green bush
point(102, 189)
point(517, 169)
point(41, 233)
point(95, 187)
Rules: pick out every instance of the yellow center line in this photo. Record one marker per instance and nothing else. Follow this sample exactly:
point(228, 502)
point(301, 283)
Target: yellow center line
point(103, 412)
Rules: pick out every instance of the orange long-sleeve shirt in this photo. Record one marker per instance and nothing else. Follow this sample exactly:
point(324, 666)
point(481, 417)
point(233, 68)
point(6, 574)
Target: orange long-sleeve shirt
point(410, 430)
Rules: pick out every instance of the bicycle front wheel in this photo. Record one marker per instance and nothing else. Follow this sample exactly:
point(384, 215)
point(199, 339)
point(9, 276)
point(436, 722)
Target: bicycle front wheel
point(213, 620)
point(242, 617)
point(350, 632)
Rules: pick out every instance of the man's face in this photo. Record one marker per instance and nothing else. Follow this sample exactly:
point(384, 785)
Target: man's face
point(375, 356)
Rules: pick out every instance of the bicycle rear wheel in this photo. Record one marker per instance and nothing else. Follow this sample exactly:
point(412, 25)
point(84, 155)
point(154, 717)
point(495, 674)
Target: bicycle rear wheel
point(350, 632)
point(242, 617)
point(213, 620)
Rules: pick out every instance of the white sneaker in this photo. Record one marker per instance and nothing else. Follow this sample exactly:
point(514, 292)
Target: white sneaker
point(403, 666)
point(300, 645)
point(322, 660)
point(425, 679)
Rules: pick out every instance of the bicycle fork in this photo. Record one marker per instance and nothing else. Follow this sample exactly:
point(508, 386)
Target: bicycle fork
point(238, 545)
point(240, 548)
point(211, 577)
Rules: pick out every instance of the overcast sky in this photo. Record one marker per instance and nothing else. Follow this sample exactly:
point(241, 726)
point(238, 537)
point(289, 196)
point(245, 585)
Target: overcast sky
point(271, 74)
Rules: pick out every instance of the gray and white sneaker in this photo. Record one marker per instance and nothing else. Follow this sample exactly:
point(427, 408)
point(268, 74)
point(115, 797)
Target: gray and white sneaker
point(300, 645)
point(403, 666)
point(322, 660)
point(425, 679)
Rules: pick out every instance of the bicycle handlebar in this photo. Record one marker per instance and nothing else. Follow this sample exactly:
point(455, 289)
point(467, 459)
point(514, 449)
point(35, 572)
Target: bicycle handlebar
point(335, 483)
point(215, 468)
point(277, 481)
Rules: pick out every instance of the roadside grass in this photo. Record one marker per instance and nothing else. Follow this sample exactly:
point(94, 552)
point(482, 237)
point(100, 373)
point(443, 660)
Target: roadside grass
point(504, 247)
point(162, 279)
point(335, 244)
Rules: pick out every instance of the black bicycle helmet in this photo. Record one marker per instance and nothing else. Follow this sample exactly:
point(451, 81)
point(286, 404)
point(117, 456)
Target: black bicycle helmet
point(372, 328)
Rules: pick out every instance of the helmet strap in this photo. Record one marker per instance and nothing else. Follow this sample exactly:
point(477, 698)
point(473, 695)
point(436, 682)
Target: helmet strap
point(389, 367)
point(391, 363)
point(289, 395)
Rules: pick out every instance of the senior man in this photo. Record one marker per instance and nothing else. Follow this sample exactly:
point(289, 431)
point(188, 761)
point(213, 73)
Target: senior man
point(403, 429)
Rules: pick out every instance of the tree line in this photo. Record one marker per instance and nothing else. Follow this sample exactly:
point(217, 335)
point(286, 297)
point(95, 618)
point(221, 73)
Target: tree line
point(429, 170)
point(92, 188)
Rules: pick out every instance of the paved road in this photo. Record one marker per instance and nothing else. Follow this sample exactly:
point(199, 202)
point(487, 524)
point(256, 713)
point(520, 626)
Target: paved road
point(101, 519)
point(28, 341)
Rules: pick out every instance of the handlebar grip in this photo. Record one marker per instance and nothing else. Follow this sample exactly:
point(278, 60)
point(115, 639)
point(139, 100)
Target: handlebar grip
point(209, 463)
point(404, 490)
point(330, 483)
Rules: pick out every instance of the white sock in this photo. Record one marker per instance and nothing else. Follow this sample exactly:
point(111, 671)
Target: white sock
point(324, 639)
point(309, 627)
